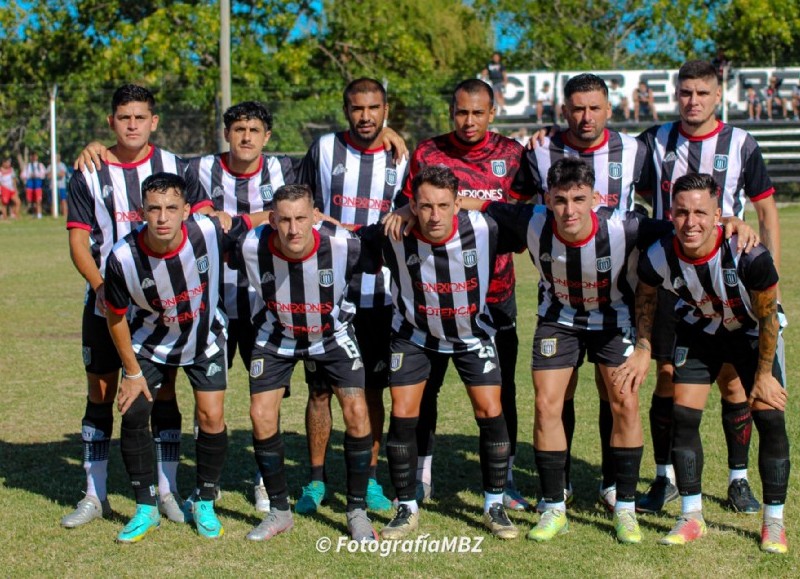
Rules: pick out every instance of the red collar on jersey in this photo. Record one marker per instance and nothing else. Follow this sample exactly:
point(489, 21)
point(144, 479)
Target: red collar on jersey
point(582, 242)
point(273, 249)
point(223, 159)
point(418, 234)
point(676, 245)
point(464, 146)
point(708, 135)
point(143, 246)
point(149, 156)
point(374, 151)
point(568, 141)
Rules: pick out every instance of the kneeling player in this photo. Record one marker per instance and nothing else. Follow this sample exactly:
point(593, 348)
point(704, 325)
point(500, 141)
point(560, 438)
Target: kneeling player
point(302, 278)
point(168, 274)
point(727, 305)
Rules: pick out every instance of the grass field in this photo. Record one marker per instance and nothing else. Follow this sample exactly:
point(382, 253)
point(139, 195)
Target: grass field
point(41, 476)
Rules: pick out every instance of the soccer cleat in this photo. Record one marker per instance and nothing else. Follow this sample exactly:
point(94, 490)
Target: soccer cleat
point(274, 523)
point(261, 498)
point(360, 527)
point(89, 508)
point(513, 500)
point(206, 521)
point(741, 499)
point(627, 527)
point(541, 507)
point(773, 536)
point(171, 507)
point(376, 500)
point(497, 521)
point(690, 527)
point(553, 522)
point(311, 499)
point(404, 523)
point(607, 497)
point(661, 492)
point(145, 520)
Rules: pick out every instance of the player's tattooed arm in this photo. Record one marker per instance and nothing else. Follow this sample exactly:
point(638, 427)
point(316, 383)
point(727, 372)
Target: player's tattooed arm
point(633, 372)
point(766, 388)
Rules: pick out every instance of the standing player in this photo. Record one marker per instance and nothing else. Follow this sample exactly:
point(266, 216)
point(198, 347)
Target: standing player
point(33, 175)
point(104, 206)
point(727, 303)
point(495, 75)
point(302, 278)
point(163, 295)
point(618, 161)
point(8, 190)
point(240, 182)
point(486, 165)
point(440, 280)
point(701, 143)
point(354, 180)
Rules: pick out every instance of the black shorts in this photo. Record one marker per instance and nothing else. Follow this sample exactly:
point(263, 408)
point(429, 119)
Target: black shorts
point(664, 324)
point(556, 346)
point(210, 375)
point(373, 330)
point(99, 353)
point(241, 336)
point(411, 364)
point(699, 357)
point(341, 366)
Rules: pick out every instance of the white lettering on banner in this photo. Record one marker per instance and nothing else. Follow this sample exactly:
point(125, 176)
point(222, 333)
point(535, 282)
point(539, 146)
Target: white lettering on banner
point(520, 93)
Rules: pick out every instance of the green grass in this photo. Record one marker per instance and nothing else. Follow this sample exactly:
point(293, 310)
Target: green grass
point(41, 475)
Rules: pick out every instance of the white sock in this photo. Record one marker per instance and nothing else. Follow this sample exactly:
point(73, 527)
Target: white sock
point(624, 506)
point(412, 505)
point(167, 477)
point(691, 503)
point(489, 499)
point(736, 474)
point(96, 476)
point(510, 475)
point(559, 506)
point(773, 511)
point(259, 480)
point(670, 473)
point(424, 464)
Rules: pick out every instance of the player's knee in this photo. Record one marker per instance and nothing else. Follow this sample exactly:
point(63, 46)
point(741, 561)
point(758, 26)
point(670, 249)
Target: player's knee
point(686, 424)
point(355, 416)
point(138, 415)
point(211, 420)
point(264, 419)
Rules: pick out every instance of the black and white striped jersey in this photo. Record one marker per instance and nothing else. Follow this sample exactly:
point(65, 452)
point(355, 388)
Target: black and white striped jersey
point(238, 194)
point(108, 202)
point(355, 186)
point(305, 310)
point(588, 284)
point(439, 289)
point(713, 291)
point(731, 155)
point(618, 163)
point(175, 316)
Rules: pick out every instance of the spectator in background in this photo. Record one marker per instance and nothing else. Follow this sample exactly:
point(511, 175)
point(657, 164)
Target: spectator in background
point(8, 190)
point(774, 99)
point(544, 103)
point(644, 102)
point(61, 184)
point(33, 174)
point(754, 103)
point(618, 100)
point(722, 64)
point(495, 74)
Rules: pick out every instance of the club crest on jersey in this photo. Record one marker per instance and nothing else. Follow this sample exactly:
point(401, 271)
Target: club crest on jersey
point(217, 192)
point(266, 193)
point(147, 283)
point(412, 259)
point(603, 264)
point(615, 170)
point(257, 368)
point(730, 277)
point(202, 264)
point(338, 170)
point(470, 257)
point(396, 362)
point(499, 168)
point(391, 177)
point(107, 190)
point(548, 347)
point(720, 162)
point(681, 354)
point(326, 277)
point(268, 277)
